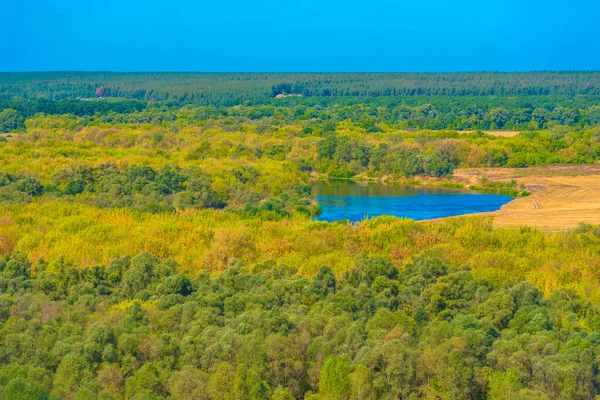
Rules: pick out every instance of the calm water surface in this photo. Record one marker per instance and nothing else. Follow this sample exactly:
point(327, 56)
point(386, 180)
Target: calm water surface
point(356, 201)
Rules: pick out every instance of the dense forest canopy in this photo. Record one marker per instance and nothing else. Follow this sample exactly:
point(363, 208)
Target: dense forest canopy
point(224, 88)
point(158, 241)
point(139, 328)
point(462, 101)
point(467, 113)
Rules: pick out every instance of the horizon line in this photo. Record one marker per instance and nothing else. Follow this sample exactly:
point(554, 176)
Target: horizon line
point(307, 72)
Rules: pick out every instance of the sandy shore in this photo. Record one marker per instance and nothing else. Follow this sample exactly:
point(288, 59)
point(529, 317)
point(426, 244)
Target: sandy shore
point(562, 196)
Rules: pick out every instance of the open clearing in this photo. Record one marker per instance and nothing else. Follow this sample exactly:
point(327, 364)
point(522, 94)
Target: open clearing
point(562, 196)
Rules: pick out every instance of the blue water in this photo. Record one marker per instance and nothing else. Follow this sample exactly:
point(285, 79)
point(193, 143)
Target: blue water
point(356, 202)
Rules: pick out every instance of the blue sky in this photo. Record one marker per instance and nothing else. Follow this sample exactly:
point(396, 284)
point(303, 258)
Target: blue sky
point(301, 35)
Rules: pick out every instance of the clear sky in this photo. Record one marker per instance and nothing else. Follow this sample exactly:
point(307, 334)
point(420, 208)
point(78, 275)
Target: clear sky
point(300, 35)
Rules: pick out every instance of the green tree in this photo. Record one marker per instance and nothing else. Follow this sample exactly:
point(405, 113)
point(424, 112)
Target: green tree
point(503, 386)
point(146, 380)
point(498, 309)
point(21, 389)
point(220, 385)
point(455, 377)
point(322, 284)
point(189, 384)
point(281, 393)
point(400, 370)
point(540, 116)
point(9, 120)
point(361, 384)
point(141, 273)
point(71, 373)
point(334, 382)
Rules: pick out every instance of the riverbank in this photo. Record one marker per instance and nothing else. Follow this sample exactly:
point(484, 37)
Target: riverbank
point(553, 197)
point(562, 196)
point(479, 186)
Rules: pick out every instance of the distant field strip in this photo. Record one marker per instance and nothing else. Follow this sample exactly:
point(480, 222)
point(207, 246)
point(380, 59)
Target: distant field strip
point(496, 133)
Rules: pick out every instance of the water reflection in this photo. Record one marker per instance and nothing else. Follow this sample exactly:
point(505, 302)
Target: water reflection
point(355, 202)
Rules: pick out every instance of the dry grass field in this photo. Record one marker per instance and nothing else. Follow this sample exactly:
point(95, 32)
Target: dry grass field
point(496, 133)
point(562, 196)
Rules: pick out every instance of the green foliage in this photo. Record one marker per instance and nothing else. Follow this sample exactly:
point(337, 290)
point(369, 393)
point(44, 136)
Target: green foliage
point(507, 188)
point(258, 86)
point(504, 386)
point(20, 389)
point(9, 120)
point(19, 188)
point(386, 309)
point(464, 101)
point(145, 381)
point(334, 383)
point(423, 328)
point(323, 284)
point(361, 384)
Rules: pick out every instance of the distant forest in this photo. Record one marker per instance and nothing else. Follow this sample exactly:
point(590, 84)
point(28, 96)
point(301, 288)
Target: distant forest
point(457, 101)
point(230, 88)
